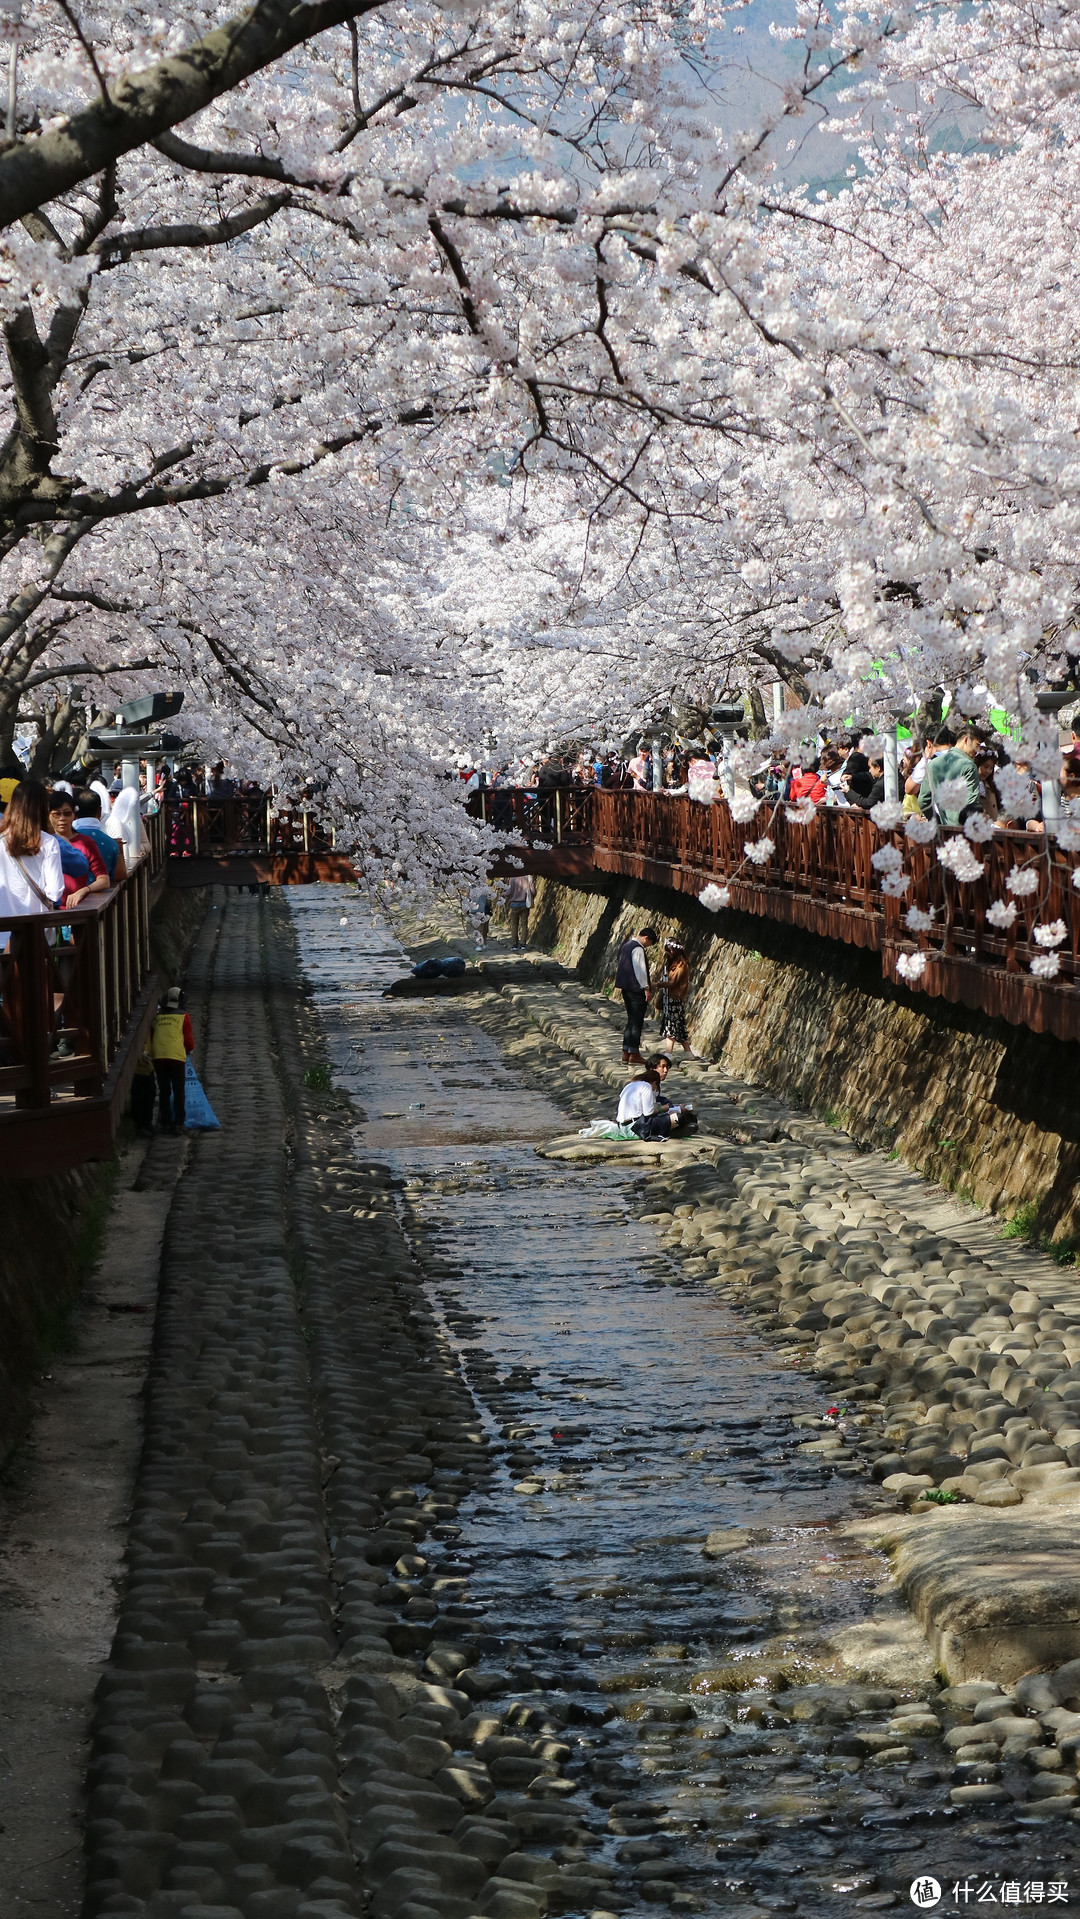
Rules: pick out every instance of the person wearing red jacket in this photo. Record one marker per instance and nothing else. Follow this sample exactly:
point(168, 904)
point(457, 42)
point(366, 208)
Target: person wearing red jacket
point(807, 784)
point(87, 871)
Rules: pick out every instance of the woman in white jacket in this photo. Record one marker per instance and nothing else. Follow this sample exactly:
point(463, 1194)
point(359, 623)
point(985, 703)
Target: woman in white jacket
point(31, 875)
point(639, 1111)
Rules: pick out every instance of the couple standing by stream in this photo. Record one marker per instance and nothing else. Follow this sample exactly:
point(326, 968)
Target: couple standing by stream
point(633, 982)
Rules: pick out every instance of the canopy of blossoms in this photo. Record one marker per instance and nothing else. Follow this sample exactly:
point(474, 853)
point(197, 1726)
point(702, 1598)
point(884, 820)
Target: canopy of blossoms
point(444, 374)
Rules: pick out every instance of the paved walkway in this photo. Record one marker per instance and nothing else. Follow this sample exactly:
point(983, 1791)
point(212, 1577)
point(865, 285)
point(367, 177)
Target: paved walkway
point(294, 1373)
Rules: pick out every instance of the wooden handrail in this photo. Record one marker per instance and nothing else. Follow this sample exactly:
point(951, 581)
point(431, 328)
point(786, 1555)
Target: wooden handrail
point(69, 984)
point(238, 824)
point(821, 876)
point(554, 815)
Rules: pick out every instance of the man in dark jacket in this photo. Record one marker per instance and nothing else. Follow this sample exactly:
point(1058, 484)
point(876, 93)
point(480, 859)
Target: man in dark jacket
point(632, 981)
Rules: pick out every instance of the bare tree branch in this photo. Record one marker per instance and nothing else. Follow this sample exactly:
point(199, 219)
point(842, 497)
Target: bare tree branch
point(208, 160)
point(147, 103)
point(84, 668)
point(119, 247)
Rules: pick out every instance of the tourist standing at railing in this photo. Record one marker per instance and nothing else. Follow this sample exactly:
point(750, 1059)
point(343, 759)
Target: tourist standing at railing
point(806, 783)
point(877, 790)
point(640, 771)
point(986, 766)
point(632, 981)
point(88, 826)
point(31, 873)
point(217, 786)
point(909, 776)
point(1070, 776)
point(84, 869)
point(953, 760)
point(856, 778)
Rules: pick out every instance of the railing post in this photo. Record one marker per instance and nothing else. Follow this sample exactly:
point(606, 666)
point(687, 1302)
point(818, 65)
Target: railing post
point(30, 953)
point(558, 817)
point(307, 834)
point(101, 1004)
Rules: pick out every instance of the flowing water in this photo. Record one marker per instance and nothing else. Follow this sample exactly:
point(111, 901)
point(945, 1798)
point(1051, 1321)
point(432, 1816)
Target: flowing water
point(631, 1415)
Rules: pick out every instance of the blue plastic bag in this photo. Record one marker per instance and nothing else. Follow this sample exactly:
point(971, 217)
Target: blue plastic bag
point(452, 967)
point(199, 1116)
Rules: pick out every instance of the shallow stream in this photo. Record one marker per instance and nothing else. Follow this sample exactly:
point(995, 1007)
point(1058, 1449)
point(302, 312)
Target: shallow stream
point(631, 1415)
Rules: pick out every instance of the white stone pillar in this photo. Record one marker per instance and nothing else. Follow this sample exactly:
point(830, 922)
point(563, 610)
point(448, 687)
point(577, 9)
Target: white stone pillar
point(892, 769)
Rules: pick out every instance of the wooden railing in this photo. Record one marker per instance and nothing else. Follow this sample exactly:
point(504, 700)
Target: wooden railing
point(239, 825)
point(821, 877)
point(76, 995)
point(553, 816)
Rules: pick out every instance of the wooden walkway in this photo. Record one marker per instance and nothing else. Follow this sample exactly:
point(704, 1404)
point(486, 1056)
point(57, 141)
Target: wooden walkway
point(78, 991)
point(821, 877)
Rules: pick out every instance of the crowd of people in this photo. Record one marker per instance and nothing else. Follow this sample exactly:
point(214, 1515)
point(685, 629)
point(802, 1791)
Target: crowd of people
point(851, 773)
point(59, 845)
point(845, 771)
point(64, 841)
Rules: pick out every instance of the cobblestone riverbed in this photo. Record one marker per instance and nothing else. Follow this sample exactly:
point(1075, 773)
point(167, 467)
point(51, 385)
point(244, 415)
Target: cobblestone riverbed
point(478, 1564)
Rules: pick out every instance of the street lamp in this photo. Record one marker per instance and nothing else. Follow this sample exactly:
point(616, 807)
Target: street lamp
point(131, 740)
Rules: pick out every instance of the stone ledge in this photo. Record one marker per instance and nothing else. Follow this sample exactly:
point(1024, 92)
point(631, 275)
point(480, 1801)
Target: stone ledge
point(996, 1593)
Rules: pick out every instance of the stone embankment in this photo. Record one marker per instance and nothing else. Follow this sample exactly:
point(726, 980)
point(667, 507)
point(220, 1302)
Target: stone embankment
point(957, 1357)
point(988, 1109)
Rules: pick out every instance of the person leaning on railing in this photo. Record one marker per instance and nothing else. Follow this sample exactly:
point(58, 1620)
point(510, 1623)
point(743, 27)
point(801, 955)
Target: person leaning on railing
point(84, 869)
point(951, 759)
point(88, 827)
point(31, 873)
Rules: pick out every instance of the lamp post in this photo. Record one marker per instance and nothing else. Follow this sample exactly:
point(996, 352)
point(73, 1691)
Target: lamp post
point(131, 740)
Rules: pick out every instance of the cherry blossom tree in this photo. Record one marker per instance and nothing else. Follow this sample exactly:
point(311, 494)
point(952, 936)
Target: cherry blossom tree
point(475, 374)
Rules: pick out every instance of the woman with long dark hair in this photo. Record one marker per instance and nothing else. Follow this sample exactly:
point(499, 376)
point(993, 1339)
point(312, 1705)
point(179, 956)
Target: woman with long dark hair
point(674, 988)
point(31, 875)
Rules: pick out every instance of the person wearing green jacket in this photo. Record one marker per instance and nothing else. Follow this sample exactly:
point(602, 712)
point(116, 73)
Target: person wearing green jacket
point(953, 759)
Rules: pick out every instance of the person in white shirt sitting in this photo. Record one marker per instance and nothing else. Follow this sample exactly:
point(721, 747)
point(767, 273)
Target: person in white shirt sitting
point(638, 1108)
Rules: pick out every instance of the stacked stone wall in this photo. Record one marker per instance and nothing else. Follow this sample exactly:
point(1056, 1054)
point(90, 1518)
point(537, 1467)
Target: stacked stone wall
point(989, 1110)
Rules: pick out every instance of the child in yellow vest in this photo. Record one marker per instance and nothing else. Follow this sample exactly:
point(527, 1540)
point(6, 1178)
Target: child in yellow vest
point(170, 1043)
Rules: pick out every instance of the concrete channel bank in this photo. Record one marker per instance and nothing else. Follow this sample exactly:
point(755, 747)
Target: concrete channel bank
point(303, 1717)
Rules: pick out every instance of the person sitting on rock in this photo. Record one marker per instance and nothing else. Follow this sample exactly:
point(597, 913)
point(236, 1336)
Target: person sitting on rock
point(639, 1108)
